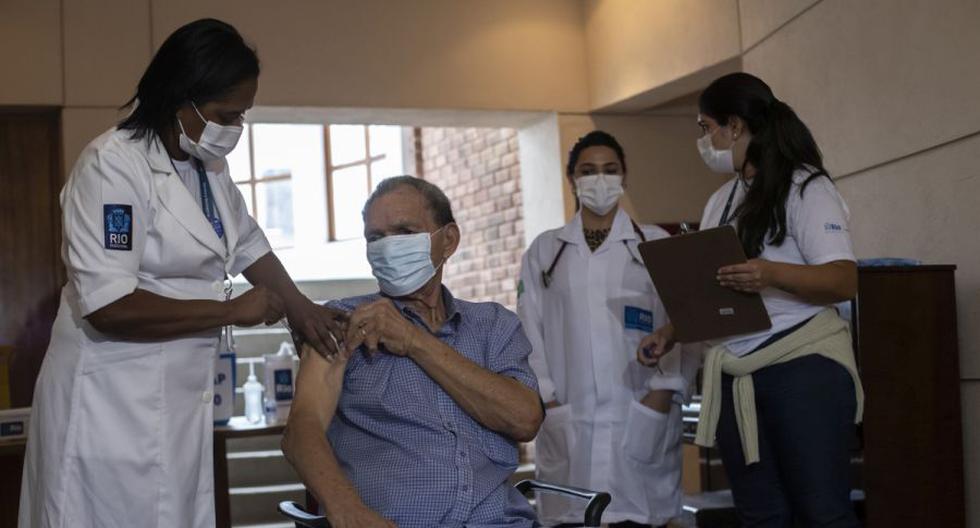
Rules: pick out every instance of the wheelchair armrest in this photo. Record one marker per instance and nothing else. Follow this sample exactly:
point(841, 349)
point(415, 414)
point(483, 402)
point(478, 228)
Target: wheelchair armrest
point(598, 500)
point(301, 517)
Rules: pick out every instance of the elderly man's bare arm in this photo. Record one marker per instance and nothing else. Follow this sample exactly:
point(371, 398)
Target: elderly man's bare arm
point(305, 444)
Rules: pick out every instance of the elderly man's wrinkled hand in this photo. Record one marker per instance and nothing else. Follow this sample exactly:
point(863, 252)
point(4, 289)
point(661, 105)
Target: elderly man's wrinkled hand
point(380, 323)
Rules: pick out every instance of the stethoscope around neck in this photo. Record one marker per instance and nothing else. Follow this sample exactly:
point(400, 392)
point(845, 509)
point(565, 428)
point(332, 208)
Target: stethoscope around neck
point(546, 275)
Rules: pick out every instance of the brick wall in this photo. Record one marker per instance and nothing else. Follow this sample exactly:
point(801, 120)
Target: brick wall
point(478, 169)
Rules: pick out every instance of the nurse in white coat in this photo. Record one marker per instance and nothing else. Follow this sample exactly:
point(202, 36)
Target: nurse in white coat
point(585, 301)
point(121, 429)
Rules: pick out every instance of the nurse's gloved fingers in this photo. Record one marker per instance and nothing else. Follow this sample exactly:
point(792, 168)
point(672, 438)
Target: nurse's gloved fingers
point(318, 343)
point(332, 324)
point(308, 326)
point(336, 348)
point(330, 343)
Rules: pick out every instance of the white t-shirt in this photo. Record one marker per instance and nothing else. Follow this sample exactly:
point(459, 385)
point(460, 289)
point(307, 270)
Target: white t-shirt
point(817, 232)
point(188, 174)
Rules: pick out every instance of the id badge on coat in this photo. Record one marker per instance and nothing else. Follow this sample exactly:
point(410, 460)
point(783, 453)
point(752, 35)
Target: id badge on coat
point(636, 318)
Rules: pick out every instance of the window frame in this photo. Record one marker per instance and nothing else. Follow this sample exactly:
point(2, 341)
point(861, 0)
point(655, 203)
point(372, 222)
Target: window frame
point(368, 160)
point(253, 181)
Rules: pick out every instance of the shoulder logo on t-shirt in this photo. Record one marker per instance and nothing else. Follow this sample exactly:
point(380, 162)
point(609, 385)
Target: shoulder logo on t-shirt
point(118, 226)
point(831, 227)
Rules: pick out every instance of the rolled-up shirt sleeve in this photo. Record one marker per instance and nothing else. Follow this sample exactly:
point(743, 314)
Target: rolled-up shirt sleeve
point(509, 349)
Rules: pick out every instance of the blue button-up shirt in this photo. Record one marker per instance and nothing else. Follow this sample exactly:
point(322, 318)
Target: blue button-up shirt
point(414, 455)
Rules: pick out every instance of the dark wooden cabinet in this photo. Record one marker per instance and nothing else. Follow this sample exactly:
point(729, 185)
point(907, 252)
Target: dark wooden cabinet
point(905, 332)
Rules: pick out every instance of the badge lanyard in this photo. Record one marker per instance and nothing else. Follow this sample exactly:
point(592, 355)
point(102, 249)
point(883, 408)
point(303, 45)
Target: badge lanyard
point(210, 212)
point(207, 200)
point(725, 219)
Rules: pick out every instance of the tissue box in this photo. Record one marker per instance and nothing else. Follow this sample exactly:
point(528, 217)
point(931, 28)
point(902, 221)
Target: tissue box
point(14, 422)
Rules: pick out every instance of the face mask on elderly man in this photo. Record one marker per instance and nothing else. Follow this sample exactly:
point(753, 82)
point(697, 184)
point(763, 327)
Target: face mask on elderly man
point(402, 263)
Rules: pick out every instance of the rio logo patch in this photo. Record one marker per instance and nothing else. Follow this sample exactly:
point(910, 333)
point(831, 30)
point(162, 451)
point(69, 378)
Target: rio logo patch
point(118, 226)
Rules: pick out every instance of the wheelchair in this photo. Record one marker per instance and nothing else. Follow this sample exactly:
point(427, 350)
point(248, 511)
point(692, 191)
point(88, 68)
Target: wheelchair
point(597, 502)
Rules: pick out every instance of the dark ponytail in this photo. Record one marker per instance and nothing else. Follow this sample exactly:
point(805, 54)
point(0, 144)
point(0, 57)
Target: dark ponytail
point(781, 144)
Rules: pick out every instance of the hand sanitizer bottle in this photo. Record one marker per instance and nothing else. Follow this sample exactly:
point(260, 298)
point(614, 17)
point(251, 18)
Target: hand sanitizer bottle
point(253, 396)
point(280, 373)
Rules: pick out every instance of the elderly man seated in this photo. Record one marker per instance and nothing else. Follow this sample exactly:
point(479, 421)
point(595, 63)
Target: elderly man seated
point(425, 402)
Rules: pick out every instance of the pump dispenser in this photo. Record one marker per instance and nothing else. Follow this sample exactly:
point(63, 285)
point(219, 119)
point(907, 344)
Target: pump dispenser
point(253, 396)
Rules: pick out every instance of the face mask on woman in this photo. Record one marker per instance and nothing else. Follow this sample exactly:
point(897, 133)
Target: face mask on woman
point(216, 141)
point(402, 263)
point(600, 192)
point(717, 160)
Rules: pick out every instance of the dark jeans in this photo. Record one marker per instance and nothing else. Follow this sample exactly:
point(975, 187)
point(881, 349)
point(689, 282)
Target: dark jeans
point(805, 413)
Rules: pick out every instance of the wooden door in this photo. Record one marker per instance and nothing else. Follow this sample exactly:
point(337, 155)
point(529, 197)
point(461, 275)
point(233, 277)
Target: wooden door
point(31, 272)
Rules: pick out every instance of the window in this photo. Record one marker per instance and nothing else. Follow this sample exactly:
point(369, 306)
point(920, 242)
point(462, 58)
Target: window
point(360, 157)
point(305, 185)
point(270, 164)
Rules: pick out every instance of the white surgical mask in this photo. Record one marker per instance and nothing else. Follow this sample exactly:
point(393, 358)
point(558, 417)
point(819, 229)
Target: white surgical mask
point(216, 141)
point(717, 160)
point(402, 263)
point(599, 192)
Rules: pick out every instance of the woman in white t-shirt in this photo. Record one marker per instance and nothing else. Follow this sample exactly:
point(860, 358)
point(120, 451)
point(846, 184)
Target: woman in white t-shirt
point(793, 226)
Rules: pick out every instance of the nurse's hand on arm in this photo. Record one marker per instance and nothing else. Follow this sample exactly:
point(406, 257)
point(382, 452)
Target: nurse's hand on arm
point(307, 448)
point(146, 315)
point(828, 283)
point(314, 323)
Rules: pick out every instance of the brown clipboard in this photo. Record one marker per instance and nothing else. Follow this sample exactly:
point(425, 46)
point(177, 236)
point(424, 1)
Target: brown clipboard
point(684, 269)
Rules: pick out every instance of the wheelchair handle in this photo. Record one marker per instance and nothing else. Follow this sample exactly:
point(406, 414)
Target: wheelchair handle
point(598, 500)
point(301, 517)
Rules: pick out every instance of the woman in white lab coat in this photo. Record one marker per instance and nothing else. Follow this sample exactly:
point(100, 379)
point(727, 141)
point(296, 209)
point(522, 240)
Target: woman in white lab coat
point(586, 300)
point(121, 427)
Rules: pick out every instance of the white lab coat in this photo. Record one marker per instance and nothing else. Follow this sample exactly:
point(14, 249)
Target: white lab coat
point(121, 431)
point(584, 354)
